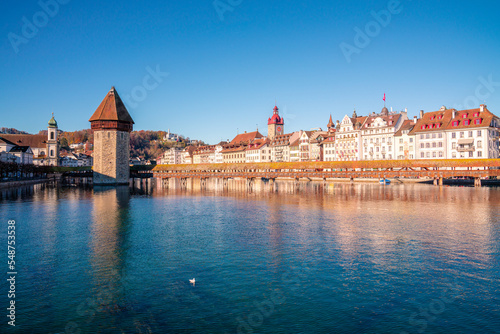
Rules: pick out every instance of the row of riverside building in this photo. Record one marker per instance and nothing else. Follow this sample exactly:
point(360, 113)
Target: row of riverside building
point(443, 134)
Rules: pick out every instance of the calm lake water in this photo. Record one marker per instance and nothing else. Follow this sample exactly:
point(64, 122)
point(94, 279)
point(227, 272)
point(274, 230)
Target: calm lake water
point(361, 258)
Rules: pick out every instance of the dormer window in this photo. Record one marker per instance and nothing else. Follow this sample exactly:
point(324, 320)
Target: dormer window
point(455, 123)
point(432, 118)
point(477, 121)
point(467, 122)
point(476, 114)
point(464, 115)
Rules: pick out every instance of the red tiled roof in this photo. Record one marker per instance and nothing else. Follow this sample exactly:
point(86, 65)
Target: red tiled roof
point(407, 125)
point(282, 140)
point(246, 137)
point(387, 118)
point(33, 141)
point(112, 109)
point(471, 118)
point(257, 144)
point(232, 149)
point(433, 121)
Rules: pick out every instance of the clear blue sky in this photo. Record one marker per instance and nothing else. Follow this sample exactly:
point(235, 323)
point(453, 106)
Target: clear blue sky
point(226, 74)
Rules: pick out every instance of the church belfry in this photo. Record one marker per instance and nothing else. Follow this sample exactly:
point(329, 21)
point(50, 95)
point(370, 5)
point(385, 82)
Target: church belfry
point(52, 146)
point(275, 125)
point(111, 124)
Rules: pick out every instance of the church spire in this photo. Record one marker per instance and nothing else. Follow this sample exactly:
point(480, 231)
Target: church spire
point(330, 123)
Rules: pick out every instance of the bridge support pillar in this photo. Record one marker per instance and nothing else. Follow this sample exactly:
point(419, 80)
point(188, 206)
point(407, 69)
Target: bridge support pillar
point(165, 183)
point(297, 183)
point(184, 183)
point(203, 183)
point(435, 182)
point(250, 184)
point(440, 181)
point(224, 183)
point(477, 182)
point(273, 185)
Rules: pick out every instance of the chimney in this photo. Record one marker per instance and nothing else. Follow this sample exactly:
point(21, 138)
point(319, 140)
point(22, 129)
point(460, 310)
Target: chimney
point(454, 114)
point(414, 119)
point(421, 114)
point(481, 107)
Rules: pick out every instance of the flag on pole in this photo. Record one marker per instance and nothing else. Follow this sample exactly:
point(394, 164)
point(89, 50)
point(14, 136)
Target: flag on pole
point(384, 97)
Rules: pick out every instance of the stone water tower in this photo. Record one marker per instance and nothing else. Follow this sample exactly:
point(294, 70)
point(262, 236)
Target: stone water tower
point(111, 124)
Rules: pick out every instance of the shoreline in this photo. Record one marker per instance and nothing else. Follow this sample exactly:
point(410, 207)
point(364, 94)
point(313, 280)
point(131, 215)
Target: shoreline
point(20, 183)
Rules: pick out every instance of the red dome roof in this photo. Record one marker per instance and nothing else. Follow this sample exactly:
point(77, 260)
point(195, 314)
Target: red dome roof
point(275, 119)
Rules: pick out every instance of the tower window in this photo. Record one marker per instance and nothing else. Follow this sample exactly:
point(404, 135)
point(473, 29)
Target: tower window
point(52, 135)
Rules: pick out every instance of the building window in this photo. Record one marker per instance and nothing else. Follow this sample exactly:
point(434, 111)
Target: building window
point(401, 148)
point(427, 136)
point(421, 136)
point(401, 140)
point(434, 144)
point(471, 134)
point(421, 154)
point(51, 153)
point(477, 121)
point(411, 140)
point(52, 135)
point(462, 134)
point(454, 155)
point(471, 154)
point(441, 154)
point(440, 144)
point(479, 133)
point(427, 145)
point(479, 144)
point(479, 154)
point(421, 145)
point(453, 145)
point(455, 123)
point(440, 135)
point(453, 135)
point(428, 155)
point(433, 154)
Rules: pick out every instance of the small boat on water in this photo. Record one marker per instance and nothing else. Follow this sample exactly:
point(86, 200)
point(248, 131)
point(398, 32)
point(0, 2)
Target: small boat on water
point(385, 181)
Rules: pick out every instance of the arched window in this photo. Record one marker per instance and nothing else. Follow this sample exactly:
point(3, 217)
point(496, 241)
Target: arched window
point(51, 153)
point(52, 135)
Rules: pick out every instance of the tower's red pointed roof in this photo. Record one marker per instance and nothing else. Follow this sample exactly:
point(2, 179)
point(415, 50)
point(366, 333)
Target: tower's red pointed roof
point(112, 109)
point(275, 119)
point(330, 123)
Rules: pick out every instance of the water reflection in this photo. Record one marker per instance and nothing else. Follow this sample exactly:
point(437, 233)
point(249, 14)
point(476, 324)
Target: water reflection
point(360, 257)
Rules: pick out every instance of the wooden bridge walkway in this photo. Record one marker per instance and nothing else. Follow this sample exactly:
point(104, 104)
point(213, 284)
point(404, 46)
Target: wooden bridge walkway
point(434, 169)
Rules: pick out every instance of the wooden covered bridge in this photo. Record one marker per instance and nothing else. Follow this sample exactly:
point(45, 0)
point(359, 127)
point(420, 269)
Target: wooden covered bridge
point(436, 170)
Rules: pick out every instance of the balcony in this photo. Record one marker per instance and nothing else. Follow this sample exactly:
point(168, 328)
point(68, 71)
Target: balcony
point(465, 145)
point(466, 148)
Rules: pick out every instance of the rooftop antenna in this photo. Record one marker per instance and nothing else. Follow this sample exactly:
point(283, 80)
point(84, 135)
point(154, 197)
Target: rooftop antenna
point(257, 127)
